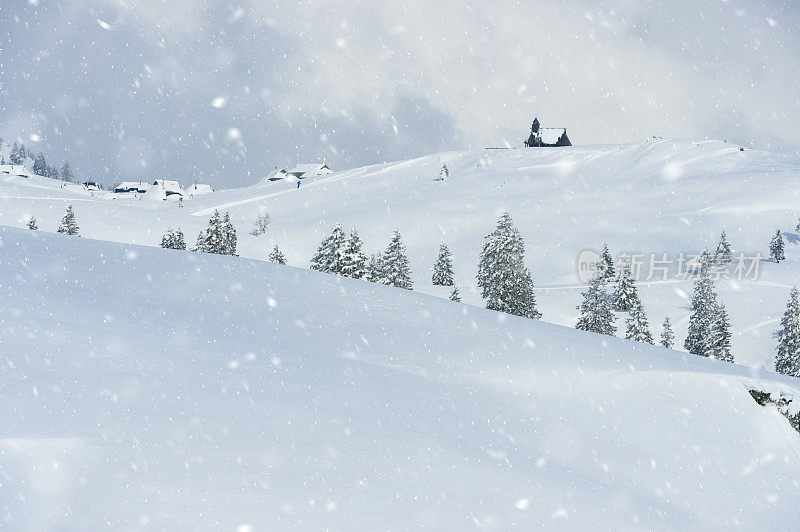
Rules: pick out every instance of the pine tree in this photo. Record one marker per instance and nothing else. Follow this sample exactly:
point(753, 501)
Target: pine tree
point(261, 225)
point(277, 256)
point(667, 336)
point(704, 308)
point(797, 228)
point(40, 165)
point(15, 157)
point(444, 174)
point(66, 173)
point(721, 335)
point(606, 264)
point(354, 261)
point(787, 360)
point(228, 235)
point(213, 239)
point(395, 268)
point(596, 314)
point(68, 224)
point(329, 255)
point(455, 295)
point(503, 278)
point(776, 247)
point(625, 296)
point(637, 327)
point(173, 239)
point(32, 224)
point(374, 268)
point(443, 268)
point(723, 255)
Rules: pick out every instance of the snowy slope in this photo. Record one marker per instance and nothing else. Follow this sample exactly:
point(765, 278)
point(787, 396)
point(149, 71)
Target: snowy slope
point(658, 196)
point(171, 390)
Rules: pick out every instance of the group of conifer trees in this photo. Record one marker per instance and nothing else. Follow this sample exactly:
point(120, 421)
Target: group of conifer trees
point(505, 282)
point(709, 326)
point(344, 255)
point(219, 237)
point(68, 225)
point(19, 153)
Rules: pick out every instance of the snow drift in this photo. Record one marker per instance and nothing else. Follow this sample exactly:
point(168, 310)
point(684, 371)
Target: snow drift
point(173, 390)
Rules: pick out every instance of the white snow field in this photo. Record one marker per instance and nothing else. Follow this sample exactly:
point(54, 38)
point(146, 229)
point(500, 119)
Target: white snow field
point(654, 197)
point(154, 389)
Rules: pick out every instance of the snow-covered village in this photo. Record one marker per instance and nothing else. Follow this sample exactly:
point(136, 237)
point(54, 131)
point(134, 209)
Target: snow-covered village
point(308, 267)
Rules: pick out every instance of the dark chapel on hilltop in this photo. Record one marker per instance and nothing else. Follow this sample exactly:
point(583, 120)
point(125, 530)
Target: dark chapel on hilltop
point(546, 136)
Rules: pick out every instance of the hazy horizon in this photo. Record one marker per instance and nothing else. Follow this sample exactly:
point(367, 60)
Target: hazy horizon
point(223, 94)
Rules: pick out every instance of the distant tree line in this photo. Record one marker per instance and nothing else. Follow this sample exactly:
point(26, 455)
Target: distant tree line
point(20, 153)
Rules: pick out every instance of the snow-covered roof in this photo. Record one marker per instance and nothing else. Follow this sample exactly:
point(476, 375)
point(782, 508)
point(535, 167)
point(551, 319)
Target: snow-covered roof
point(170, 187)
point(199, 188)
point(155, 194)
point(130, 186)
point(550, 135)
point(309, 170)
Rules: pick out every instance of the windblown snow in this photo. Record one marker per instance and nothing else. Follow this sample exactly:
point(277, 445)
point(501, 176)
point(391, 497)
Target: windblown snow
point(154, 388)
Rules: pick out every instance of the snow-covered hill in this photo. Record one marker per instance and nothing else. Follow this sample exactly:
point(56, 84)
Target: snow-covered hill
point(652, 198)
point(149, 388)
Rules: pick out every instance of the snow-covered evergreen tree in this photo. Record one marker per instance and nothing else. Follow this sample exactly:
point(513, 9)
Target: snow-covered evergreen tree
point(667, 336)
point(374, 268)
point(261, 224)
point(776, 247)
point(625, 296)
point(32, 225)
point(596, 313)
point(444, 174)
point(721, 335)
point(787, 359)
point(723, 255)
point(15, 157)
point(213, 239)
point(395, 269)
point(797, 227)
point(228, 235)
point(329, 255)
point(443, 268)
point(505, 282)
point(68, 224)
point(354, 260)
point(173, 239)
point(277, 256)
point(606, 264)
point(699, 340)
point(455, 295)
point(40, 165)
point(66, 173)
point(637, 328)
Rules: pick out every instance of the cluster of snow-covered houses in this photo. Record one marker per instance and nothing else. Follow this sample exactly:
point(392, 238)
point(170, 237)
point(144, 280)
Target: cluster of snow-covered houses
point(164, 189)
point(300, 172)
point(160, 189)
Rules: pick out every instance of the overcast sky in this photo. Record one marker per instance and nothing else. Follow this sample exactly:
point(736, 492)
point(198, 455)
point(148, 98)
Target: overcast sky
point(222, 92)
